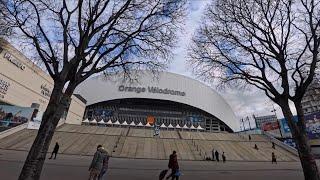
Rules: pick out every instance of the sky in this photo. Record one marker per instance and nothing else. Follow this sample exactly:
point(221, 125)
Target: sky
point(243, 103)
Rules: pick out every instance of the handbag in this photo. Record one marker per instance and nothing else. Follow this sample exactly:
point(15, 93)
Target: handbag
point(178, 173)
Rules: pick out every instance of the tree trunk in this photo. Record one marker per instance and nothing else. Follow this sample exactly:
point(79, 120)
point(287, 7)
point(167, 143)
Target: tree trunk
point(307, 159)
point(37, 154)
point(298, 132)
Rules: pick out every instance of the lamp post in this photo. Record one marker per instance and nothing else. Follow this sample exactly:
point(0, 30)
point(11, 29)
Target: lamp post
point(255, 120)
point(275, 114)
point(244, 128)
point(247, 119)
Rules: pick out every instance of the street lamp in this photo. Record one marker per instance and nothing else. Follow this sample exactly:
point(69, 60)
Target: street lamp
point(275, 114)
point(247, 119)
point(244, 127)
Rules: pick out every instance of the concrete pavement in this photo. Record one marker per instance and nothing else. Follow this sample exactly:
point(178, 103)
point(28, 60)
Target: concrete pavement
point(76, 167)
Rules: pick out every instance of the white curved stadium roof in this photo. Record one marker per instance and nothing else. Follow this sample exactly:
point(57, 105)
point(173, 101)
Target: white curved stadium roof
point(167, 86)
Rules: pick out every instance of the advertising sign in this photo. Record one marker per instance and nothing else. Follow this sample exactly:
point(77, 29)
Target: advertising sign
point(194, 119)
point(270, 126)
point(35, 120)
point(156, 130)
point(4, 86)
point(290, 142)
point(102, 113)
point(11, 116)
point(312, 125)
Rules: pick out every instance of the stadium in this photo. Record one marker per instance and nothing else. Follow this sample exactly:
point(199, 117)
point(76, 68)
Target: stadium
point(118, 114)
point(167, 99)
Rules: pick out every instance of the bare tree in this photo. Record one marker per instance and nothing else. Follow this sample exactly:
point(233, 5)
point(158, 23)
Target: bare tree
point(272, 45)
point(5, 27)
point(75, 39)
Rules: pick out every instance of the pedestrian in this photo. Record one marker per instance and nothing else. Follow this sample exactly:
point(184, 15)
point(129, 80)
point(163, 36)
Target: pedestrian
point(217, 155)
point(174, 166)
point(273, 145)
point(256, 147)
point(223, 158)
point(55, 151)
point(274, 159)
point(96, 164)
point(105, 163)
point(249, 137)
point(212, 154)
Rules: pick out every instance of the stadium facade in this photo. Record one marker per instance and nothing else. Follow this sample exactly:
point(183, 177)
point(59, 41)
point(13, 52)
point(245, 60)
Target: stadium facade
point(165, 98)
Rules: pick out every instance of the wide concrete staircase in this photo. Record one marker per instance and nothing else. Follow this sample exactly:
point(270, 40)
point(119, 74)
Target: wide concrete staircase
point(140, 143)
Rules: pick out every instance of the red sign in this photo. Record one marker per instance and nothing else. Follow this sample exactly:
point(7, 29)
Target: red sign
point(270, 126)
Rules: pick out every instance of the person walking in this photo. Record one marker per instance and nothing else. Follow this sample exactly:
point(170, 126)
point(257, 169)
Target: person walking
point(96, 163)
point(249, 137)
point(174, 166)
point(273, 158)
point(105, 164)
point(273, 145)
point(223, 158)
point(55, 151)
point(256, 147)
point(212, 154)
point(217, 155)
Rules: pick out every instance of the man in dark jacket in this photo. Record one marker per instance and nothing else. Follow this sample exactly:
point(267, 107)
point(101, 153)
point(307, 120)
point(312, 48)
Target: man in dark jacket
point(174, 166)
point(217, 155)
point(55, 151)
point(105, 163)
point(96, 164)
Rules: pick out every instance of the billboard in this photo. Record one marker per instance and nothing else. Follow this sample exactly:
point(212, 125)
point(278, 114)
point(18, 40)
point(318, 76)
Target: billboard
point(312, 125)
point(268, 126)
point(103, 113)
point(35, 120)
point(195, 119)
point(11, 116)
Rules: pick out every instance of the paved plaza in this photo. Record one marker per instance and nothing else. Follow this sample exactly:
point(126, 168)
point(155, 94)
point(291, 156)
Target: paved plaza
point(76, 167)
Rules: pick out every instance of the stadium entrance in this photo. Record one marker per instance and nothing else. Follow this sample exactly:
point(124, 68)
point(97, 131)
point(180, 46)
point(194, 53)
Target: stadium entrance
point(154, 111)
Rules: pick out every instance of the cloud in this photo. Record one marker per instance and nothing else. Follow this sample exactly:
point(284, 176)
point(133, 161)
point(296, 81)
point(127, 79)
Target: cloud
point(195, 12)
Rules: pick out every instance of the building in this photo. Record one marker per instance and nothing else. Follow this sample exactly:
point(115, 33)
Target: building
point(311, 100)
point(260, 120)
point(167, 98)
point(22, 83)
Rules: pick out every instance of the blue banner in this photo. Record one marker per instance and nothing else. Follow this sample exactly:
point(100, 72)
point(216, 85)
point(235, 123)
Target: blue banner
point(312, 125)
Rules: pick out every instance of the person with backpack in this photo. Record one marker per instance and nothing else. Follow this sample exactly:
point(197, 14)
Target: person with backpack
point(96, 163)
point(105, 164)
point(174, 166)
